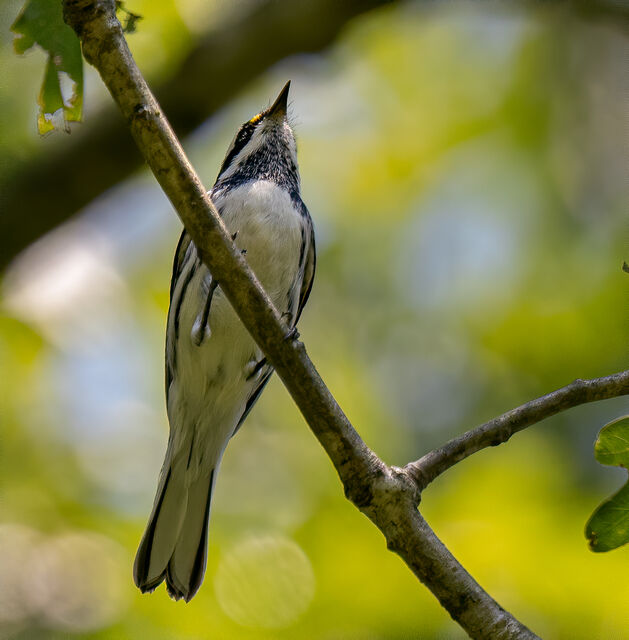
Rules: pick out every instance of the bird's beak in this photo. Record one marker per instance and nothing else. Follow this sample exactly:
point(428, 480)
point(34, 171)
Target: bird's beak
point(278, 108)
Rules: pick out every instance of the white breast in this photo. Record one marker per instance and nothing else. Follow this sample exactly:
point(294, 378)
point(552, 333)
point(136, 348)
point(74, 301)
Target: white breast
point(268, 228)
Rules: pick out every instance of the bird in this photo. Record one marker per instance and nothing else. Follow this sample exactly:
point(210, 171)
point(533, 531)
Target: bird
point(215, 372)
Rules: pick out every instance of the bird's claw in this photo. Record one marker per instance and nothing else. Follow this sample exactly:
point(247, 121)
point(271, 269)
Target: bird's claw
point(292, 335)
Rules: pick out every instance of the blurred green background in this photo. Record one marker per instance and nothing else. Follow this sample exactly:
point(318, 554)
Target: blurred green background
point(465, 166)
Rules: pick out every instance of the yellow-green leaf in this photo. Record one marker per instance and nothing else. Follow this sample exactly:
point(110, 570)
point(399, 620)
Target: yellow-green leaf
point(41, 22)
point(608, 528)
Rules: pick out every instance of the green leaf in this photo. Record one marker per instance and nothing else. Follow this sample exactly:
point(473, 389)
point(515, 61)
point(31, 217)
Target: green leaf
point(608, 528)
point(41, 22)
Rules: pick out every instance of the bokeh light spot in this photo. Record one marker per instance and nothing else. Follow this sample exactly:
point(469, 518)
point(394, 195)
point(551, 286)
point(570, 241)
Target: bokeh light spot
point(16, 544)
point(78, 580)
point(265, 582)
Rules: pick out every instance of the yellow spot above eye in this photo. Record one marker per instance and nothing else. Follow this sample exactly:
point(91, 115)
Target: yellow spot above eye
point(255, 119)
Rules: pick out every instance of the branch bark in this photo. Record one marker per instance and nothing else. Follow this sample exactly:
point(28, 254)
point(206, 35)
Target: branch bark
point(388, 496)
point(500, 429)
point(224, 61)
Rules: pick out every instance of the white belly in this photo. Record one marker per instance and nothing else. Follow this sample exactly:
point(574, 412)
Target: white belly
point(210, 388)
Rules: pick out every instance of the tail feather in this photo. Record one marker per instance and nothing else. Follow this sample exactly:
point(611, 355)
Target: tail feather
point(186, 567)
point(174, 545)
point(143, 577)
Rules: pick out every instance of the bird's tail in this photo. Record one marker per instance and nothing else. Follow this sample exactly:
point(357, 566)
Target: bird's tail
point(174, 545)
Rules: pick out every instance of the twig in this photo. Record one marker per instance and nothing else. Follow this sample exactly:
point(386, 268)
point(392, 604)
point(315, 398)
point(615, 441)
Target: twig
point(386, 495)
point(500, 429)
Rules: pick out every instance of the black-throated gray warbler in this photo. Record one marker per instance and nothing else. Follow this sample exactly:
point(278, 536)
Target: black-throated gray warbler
point(214, 370)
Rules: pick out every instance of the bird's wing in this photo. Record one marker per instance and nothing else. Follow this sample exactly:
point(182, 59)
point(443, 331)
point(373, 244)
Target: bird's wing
point(267, 370)
point(180, 254)
point(183, 253)
point(309, 261)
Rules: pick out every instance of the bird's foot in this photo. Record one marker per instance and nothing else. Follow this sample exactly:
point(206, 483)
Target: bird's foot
point(292, 334)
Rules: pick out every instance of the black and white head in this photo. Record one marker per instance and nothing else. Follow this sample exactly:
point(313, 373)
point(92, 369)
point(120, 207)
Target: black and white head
point(263, 149)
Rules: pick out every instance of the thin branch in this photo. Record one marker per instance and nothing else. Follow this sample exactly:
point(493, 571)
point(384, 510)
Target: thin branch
point(500, 429)
point(386, 495)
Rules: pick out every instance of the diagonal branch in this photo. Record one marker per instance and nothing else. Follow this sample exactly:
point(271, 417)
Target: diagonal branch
point(500, 429)
point(386, 495)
